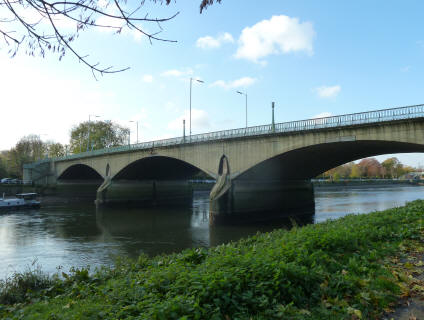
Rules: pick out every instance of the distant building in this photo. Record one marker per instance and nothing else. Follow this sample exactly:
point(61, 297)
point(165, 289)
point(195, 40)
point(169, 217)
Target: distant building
point(412, 176)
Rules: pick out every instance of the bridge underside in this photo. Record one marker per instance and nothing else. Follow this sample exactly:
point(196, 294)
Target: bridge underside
point(309, 162)
point(152, 181)
point(79, 181)
point(281, 185)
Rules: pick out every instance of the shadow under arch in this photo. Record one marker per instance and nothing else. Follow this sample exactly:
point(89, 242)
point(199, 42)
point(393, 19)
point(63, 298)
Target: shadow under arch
point(281, 184)
point(160, 168)
point(79, 182)
point(308, 162)
point(80, 172)
point(151, 181)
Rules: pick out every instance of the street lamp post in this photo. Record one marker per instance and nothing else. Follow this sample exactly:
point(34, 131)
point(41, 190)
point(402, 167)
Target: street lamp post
point(183, 130)
point(245, 94)
point(89, 128)
point(191, 84)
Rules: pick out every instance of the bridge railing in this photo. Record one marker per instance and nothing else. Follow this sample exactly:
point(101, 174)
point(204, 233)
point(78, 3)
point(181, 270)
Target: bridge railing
point(384, 115)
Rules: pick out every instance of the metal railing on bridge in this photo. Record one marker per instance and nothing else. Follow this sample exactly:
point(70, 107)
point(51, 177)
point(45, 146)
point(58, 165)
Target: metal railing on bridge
point(377, 116)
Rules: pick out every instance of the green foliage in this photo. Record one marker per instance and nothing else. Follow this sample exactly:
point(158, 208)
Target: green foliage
point(55, 149)
point(24, 285)
point(3, 165)
point(28, 149)
point(332, 270)
point(95, 135)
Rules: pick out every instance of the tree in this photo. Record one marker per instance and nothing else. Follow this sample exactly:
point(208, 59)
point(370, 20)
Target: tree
point(28, 149)
point(370, 168)
point(3, 165)
point(355, 173)
point(55, 149)
point(103, 134)
point(391, 166)
point(41, 26)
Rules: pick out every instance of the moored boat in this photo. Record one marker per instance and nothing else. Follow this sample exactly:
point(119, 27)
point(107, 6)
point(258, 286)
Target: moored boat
point(22, 200)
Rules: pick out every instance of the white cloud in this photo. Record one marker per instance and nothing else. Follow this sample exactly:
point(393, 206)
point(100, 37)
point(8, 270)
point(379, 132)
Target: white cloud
point(200, 121)
point(209, 42)
point(242, 82)
point(327, 91)
point(323, 115)
point(148, 78)
point(177, 73)
point(278, 35)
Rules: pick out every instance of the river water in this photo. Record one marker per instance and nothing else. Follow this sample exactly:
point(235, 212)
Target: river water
point(61, 235)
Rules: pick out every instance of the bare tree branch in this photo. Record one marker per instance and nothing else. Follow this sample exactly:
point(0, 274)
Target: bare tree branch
point(206, 3)
point(40, 26)
point(48, 33)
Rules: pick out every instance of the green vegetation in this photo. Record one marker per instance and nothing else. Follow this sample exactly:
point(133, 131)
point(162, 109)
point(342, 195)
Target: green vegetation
point(339, 269)
point(91, 135)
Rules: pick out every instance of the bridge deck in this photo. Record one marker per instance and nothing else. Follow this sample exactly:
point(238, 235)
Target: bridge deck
point(370, 117)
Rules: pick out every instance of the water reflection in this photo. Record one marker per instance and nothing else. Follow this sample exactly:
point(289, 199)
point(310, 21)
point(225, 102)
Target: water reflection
point(76, 234)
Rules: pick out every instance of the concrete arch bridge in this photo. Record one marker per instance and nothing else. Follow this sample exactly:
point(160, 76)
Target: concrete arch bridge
point(257, 169)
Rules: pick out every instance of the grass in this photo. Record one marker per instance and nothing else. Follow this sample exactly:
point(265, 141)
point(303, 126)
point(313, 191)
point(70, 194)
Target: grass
point(333, 270)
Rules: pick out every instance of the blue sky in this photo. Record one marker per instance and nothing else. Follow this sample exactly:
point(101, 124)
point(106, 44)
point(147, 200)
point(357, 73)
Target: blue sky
point(310, 57)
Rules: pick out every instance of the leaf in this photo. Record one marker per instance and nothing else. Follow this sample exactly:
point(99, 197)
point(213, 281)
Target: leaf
point(418, 288)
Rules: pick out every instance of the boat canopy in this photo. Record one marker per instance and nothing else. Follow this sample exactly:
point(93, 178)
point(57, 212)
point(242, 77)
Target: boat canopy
point(32, 195)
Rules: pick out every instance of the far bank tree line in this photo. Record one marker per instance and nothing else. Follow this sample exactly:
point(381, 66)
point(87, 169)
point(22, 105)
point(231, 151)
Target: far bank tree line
point(369, 168)
point(83, 137)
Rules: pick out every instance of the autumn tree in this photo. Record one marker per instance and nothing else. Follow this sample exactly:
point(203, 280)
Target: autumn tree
point(392, 167)
point(41, 26)
point(370, 168)
point(339, 172)
point(355, 173)
point(97, 135)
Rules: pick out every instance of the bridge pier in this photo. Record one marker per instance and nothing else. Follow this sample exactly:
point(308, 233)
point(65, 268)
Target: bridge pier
point(256, 200)
point(80, 189)
point(144, 193)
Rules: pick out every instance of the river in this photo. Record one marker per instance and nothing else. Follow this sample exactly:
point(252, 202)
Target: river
point(61, 235)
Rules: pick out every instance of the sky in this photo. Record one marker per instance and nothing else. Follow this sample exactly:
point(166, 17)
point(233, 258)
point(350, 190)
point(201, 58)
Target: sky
point(312, 58)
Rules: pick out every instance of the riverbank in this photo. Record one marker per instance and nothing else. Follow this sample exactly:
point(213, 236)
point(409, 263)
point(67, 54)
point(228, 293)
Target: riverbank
point(321, 183)
point(336, 269)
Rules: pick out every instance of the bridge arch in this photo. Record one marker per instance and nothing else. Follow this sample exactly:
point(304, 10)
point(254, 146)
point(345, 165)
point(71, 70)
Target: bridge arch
point(79, 172)
point(309, 161)
point(159, 167)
